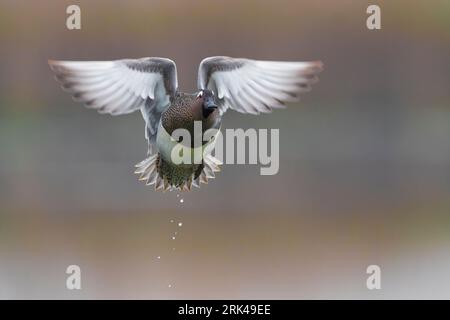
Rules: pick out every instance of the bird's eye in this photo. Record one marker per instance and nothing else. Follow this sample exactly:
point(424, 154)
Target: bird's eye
point(200, 94)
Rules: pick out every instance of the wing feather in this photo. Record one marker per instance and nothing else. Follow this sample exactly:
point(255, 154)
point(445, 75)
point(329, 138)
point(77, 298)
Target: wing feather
point(116, 87)
point(254, 86)
point(121, 86)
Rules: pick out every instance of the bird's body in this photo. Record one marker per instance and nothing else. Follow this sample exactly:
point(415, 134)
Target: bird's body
point(184, 110)
point(182, 113)
point(150, 85)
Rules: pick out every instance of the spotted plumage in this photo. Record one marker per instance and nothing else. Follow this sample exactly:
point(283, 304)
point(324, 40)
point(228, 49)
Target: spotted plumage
point(151, 86)
point(184, 110)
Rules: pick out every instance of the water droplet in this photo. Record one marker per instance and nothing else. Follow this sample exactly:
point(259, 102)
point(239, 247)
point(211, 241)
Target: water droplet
point(171, 221)
point(158, 257)
point(180, 224)
point(170, 286)
point(178, 195)
point(173, 238)
point(181, 200)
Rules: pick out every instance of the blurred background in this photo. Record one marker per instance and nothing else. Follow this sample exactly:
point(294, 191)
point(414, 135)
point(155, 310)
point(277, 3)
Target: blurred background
point(364, 158)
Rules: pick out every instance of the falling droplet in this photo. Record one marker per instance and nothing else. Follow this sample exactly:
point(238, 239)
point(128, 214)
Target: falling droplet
point(170, 286)
point(158, 257)
point(180, 224)
point(173, 238)
point(171, 221)
point(181, 200)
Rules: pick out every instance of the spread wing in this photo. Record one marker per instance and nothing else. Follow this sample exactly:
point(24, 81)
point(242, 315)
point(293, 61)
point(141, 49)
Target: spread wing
point(120, 86)
point(253, 86)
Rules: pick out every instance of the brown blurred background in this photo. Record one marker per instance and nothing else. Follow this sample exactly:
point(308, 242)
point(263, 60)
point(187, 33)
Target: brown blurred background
point(364, 158)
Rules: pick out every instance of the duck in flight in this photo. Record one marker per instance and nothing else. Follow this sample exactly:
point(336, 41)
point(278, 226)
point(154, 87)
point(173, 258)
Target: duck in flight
point(150, 85)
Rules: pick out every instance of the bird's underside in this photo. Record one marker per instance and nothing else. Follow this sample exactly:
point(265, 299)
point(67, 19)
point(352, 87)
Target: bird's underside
point(150, 85)
point(165, 176)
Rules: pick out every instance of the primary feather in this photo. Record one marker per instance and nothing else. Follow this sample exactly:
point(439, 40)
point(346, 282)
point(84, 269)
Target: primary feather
point(254, 86)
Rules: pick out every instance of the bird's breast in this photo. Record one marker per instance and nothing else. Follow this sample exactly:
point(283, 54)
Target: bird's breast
point(169, 146)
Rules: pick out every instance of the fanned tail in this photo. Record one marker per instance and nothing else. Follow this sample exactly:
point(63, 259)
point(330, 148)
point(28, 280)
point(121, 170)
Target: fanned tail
point(149, 171)
point(210, 166)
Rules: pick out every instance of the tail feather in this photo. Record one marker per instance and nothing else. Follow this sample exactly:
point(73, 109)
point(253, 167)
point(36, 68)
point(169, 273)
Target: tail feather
point(148, 171)
point(159, 184)
point(210, 166)
point(196, 183)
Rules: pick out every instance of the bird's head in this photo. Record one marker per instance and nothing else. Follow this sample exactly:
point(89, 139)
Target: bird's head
point(208, 100)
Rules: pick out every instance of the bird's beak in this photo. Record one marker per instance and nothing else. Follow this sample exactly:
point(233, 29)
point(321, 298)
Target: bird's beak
point(210, 103)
